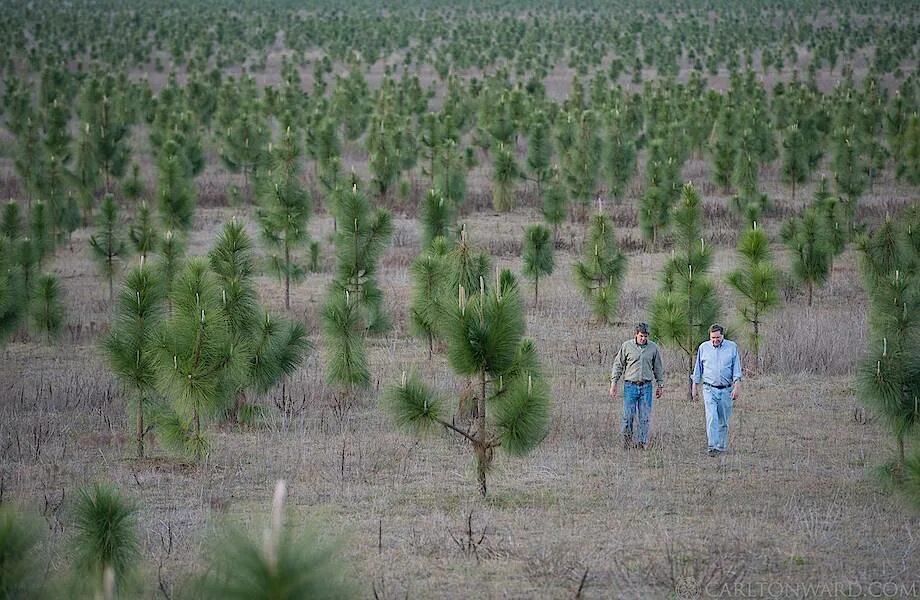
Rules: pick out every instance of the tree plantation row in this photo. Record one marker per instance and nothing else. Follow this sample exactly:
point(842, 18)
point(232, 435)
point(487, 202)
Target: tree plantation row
point(530, 39)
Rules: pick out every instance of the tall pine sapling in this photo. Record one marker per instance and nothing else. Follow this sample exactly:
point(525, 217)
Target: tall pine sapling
point(360, 240)
point(283, 213)
point(107, 245)
point(889, 373)
point(199, 362)
point(505, 173)
point(429, 272)
point(756, 284)
point(599, 273)
point(537, 256)
point(143, 233)
point(807, 237)
point(485, 341)
point(438, 214)
point(46, 307)
point(129, 345)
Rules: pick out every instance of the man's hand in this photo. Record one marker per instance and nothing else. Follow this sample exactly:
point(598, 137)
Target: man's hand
point(613, 390)
point(695, 392)
point(736, 391)
point(658, 391)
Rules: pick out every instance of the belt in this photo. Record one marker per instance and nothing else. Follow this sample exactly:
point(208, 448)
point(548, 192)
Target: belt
point(718, 387)
point(639, 383)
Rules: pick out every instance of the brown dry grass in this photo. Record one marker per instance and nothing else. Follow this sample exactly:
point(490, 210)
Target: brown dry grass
point(794, 502)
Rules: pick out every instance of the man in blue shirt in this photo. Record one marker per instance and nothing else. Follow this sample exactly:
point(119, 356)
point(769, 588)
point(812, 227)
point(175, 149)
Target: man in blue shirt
point(718, 370)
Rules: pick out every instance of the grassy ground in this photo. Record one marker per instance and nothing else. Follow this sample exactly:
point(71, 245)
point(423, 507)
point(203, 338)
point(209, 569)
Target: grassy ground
point(793, 503)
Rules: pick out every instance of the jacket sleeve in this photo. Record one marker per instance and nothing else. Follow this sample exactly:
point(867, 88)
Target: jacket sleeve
point(658, 367)
point(619, 365)
point(698, 367)
point(736, 365)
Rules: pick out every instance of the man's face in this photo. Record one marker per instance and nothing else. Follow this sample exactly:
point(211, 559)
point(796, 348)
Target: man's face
point(641, 338)
point(716, 338)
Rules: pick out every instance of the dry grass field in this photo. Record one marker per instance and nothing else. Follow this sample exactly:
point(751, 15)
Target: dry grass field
point(793, 504)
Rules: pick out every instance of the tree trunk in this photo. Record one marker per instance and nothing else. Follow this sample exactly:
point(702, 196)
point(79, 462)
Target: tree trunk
point(481, 440)
point(197, 435)
point(139, 427)
point(901, 454)
point(536, 289)
point(430, 345)
point(793, 189)
point(287, 275)
point(756, 346)
point(690, 378)
point(810, 292)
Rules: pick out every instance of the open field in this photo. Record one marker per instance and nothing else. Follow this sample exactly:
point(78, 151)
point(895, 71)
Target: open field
point(794, 502)
point(795, 509)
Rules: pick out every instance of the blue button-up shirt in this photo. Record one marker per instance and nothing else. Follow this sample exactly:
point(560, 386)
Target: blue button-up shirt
point(717, 366)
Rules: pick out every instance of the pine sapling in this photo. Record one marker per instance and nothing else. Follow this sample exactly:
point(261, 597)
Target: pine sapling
point(46, 307)
point(107, 244)
point(537, 256)
point(599, 273)
point(129, 345)
point(756, 284)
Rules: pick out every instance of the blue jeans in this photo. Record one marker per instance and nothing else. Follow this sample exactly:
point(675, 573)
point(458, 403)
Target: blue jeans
point(637, 399)
point(718, 404)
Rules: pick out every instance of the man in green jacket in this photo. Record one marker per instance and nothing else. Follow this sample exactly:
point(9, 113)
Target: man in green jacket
point(638, 362)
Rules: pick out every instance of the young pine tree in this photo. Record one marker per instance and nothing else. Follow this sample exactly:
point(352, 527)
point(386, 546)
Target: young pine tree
point(599, 273)
point(555, 203)
point(438, 215)
point(485, 341)
point(107, 245)
point(451, 166)
point(723, 147)
point(106, 544)
point(175, 197)
point(505, 173)
point(143, 233)
point(129, 346)
point(20, 570)
point(748, 202)
point(908, 167)
point(360, 240)
point(619, 157)
point(537, 256)
point(199, 362)
point(755, 282)
point(686, 305)
point(832, 210)
point(540, 151)
point(889, 374)
point(273, 347)
point(344, 327)
point(46, 307)
point(279, 561)
point(807, 237)
point(13, 287)
point(660, 193)
point(283, 213)
point(849, 171)
point(169, 263)
point(429, 272)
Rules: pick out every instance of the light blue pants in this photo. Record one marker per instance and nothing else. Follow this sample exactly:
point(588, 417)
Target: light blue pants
point(637, 401)
point(718, 404)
